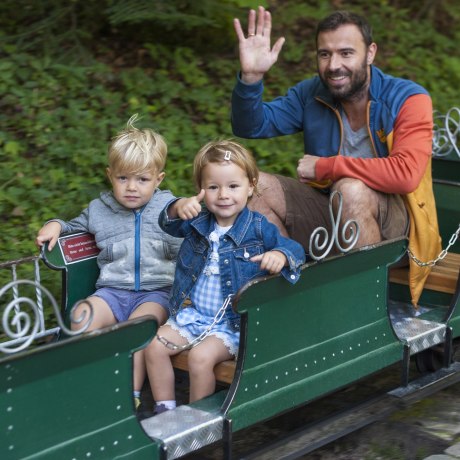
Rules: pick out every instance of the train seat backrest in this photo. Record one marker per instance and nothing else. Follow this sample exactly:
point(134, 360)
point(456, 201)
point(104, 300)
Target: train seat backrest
point(72, 398)
point(75, 255)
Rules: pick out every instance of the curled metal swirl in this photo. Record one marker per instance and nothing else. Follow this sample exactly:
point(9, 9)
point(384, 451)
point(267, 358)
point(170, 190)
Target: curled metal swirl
point(320, 244)
point(446, 133)
point(85, 318)
point(22, 325)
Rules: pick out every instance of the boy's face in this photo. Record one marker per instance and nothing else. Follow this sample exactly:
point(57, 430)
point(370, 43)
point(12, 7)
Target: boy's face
point(134, 190)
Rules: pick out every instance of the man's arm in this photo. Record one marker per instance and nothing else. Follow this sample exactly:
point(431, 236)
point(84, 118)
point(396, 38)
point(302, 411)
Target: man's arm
point(254, 119)
point(256, 58)
point(402, 171)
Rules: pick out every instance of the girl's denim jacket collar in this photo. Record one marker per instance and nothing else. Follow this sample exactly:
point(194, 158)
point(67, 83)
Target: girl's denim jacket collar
point(251, 234)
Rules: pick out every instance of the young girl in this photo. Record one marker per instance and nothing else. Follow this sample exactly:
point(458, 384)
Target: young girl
point(225, 246)
point(137, 259)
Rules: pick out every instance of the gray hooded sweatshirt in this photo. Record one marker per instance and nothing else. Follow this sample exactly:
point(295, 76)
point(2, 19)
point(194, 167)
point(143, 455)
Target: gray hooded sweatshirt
point(135, 253)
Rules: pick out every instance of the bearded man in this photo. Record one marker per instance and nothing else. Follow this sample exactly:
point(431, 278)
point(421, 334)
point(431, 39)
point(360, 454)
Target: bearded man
point(366, 134)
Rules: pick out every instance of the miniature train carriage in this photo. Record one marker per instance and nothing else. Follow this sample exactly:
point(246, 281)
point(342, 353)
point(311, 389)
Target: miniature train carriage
point(348, 316)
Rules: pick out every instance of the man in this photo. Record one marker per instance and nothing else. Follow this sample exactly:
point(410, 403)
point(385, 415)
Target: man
point(366, 134)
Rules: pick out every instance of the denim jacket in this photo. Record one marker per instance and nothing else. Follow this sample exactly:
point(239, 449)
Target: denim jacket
point(250, 235)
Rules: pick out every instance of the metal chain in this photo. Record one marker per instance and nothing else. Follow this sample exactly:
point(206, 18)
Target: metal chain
point(219, 315)
point(442, 254)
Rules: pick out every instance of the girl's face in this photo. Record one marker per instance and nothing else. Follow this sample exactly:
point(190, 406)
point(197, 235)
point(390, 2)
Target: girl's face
point(227, 190)
point(134, 190)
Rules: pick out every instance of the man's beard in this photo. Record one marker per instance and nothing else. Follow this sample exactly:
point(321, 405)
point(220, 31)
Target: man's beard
point(357, 87)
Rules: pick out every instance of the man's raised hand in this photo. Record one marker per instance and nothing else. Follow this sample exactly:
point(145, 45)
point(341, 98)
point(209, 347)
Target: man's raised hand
point(256, 55)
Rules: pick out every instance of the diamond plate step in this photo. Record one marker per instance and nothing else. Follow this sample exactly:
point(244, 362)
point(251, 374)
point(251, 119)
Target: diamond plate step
point(419, 334)
point(184, 429)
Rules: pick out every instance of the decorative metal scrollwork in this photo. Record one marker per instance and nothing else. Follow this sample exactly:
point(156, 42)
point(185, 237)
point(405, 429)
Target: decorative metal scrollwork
point(22, 318)
point(319, 239)
point(446, 133)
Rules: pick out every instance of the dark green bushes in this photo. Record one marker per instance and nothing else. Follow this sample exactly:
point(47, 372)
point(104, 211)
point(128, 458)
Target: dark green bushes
point(72, 73)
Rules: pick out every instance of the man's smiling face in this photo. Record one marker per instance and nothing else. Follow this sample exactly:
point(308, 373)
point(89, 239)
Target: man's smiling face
point(343, 62)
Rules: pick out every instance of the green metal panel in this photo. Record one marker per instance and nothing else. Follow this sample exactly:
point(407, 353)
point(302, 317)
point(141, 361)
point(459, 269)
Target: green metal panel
point(73, 399)
point(78, 278)
point(446, 168)
point(306, 340)
point(447, 204)
point(447, 198)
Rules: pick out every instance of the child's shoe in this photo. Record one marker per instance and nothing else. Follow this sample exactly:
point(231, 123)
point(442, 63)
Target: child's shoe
point(159, 409)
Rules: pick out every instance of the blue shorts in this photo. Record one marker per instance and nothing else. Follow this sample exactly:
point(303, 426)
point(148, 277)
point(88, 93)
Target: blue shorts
point(123, 302)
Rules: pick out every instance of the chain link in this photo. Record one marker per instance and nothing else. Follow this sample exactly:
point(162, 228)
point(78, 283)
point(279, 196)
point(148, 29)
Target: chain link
point(441, 256)
point(219, 315)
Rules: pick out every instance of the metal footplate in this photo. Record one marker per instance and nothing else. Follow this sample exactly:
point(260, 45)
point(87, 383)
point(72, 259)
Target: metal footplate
point(419, 334)
point(184, 429)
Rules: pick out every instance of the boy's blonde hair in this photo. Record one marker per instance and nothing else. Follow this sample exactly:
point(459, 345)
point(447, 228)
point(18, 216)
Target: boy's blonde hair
point(136, 150)
point(221, 151)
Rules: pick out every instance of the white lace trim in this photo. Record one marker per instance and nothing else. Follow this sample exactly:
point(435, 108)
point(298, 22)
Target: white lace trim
point(212, 267)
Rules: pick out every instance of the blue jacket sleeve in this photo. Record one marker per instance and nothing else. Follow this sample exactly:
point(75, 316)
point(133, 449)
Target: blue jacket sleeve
point(173, 227)
point(254, 119)
point(293, 251)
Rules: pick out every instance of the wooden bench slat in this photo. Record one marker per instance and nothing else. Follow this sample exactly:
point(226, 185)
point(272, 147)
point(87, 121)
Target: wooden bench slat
point(450, 263)
point(447, 271)
point(223, 371)
point(443, 276)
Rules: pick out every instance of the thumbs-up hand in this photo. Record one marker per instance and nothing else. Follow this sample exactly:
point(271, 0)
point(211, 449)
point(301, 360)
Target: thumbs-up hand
point(188, 208)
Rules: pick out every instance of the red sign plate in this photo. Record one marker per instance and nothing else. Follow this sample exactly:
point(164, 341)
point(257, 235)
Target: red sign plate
point(78, 247)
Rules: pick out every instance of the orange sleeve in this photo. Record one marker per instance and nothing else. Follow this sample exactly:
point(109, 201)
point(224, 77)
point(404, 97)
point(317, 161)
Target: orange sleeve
point(400, 172)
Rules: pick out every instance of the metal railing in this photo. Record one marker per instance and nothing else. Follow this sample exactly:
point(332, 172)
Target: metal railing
point(446, 133)
point(22, 309)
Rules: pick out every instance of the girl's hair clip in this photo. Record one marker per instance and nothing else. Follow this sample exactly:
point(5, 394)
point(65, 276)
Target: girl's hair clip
point(228, 155)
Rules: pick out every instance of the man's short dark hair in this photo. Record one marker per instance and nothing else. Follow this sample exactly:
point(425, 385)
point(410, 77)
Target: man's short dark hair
point(341, 18)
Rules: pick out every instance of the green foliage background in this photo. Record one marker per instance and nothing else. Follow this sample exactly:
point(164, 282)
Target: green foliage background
point(73, 72)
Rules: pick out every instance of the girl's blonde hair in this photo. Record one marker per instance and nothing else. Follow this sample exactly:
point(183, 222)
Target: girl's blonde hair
point(136, 150)
point(221, 151)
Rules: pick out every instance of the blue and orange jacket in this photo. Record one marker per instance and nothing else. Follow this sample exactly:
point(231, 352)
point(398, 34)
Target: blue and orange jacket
point(400, 123)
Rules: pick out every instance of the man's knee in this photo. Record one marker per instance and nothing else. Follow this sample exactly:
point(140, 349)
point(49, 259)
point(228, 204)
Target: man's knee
point(270, 190)
point(356, 194)
point(270, 200)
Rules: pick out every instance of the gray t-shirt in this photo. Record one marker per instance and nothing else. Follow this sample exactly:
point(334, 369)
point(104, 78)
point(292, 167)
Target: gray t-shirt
point(355, 143)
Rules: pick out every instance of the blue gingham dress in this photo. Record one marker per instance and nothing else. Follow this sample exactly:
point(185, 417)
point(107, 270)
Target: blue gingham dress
point(206, 297)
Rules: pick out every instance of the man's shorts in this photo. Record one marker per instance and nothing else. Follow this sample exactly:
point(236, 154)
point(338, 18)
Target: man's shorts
point(123, 302)
point(307, 208)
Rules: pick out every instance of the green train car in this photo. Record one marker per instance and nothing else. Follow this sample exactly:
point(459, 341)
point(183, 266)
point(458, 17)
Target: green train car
point(349, 316)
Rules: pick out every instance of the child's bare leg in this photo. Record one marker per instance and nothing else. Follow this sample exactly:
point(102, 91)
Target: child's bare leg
point(201, 362)
point(147, 308)
point(102, 314)
point(159, 367)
